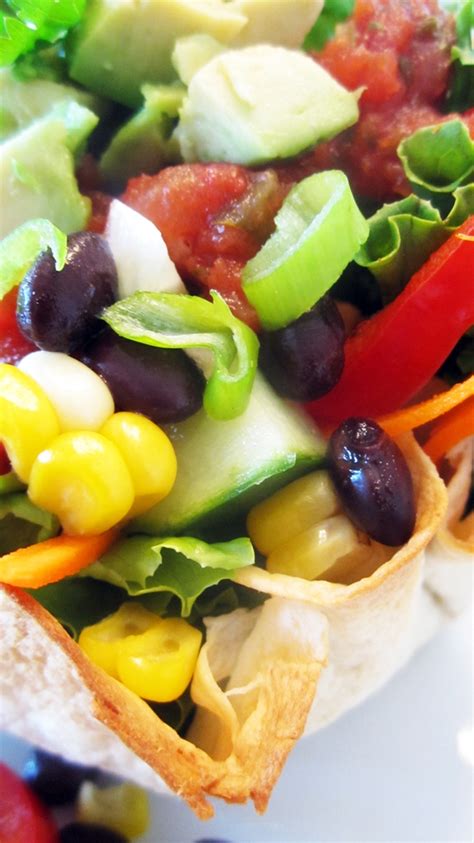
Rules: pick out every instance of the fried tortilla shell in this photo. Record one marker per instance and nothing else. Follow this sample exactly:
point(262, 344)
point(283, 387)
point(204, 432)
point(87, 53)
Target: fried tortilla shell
point(310, 652)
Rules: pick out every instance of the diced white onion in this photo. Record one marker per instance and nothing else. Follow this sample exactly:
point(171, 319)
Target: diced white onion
point(140, 253)
point(80, 397)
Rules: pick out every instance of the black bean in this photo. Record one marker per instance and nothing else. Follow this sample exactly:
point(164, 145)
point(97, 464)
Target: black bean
point(163, 384)
point(373, 481)
point(89, 833)
point(58, 310)
point(305, 360)
point(53, 779)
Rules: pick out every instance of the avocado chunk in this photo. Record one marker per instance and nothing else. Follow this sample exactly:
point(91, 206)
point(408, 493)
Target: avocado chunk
point(259, 104)
point(37, 171)
point(23, 102)
point(285, 23)
point(191, 52)
point(224, 467)
point(144, 143)
point(122, 44)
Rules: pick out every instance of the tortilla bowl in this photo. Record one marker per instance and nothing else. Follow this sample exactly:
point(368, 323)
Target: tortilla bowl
point(264, 676)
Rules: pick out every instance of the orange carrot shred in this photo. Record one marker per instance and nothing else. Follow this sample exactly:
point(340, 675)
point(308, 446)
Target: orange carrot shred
point(54, 559)
point(450, 429)
point(410, 417)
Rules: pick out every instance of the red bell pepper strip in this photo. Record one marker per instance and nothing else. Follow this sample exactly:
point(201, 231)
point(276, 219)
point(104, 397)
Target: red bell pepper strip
point(391, 356)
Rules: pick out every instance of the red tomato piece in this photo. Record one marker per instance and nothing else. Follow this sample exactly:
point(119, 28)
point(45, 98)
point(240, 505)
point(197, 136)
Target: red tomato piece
point(5, 465)
point(13, 345)
point(213, 218)
point(23, 819)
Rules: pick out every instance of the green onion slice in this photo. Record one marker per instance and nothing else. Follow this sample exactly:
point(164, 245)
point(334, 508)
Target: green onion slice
point(319, 229)
point(167, 320)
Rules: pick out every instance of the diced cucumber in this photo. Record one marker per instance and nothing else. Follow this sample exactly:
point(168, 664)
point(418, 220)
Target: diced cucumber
point(224, 468)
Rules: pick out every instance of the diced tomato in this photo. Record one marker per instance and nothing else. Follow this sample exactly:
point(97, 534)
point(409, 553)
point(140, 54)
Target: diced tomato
point(13, 345)
point(5, 465)
point(213, 218)
point(100, 209)
point(400, 54)
point(23, 819)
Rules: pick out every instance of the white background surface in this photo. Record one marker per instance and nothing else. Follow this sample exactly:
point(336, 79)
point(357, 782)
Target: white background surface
point(393, 770)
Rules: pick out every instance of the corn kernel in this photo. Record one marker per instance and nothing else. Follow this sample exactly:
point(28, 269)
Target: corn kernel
point(83, 479)
point(292, 510)
point(80, 397)
point(149, 456)
point(159, 664)
point(316, 550)
point(28, 421)
point(101, 641)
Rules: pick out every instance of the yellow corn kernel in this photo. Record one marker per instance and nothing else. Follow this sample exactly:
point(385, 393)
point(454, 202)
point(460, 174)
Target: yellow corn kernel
point(159, 664)
point(101, 641)
point(149, 456)
point(83, 479)
point(28, 421)
point(292, 510)
point(316, 550)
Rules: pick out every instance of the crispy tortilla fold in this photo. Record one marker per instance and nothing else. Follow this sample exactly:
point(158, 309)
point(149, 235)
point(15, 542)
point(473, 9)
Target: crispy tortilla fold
point(256, 678)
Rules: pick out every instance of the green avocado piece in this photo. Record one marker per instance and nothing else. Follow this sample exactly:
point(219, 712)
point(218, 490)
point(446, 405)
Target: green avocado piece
point(144, 143)
point(122, 44)
point(23, 102)
point(261, 103)
point(285, 22)
point(37, 171)
point(224, 467)
point(191, 52)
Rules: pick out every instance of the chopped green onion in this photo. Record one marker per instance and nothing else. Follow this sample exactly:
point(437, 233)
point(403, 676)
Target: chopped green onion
point(19, 250)
point(167, 320)
point(319, 229)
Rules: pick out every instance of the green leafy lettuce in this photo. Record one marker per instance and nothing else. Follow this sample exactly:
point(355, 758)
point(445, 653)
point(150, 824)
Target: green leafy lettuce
point(22, 523)
point(24, 24)
point(19, 250)
point(461, 90)
point(77, 603)
point(167, 320)
point(404, 234)
point(184, 567)
point(438, 159)
point(334, 12)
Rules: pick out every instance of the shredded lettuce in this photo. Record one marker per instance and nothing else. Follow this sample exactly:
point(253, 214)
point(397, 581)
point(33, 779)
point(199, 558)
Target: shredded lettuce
point(182, 566)
point(438, 159)
point(167, 320)
point(78, 603)
point(334, 12)
point(22, 523)
point(19, 250)
point(404, 234)
point(30, 23)
point(461, 90)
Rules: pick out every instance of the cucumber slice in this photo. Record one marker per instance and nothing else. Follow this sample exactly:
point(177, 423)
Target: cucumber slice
point(224, 468)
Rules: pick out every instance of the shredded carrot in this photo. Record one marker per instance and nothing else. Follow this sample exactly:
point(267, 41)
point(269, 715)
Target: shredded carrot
point(52, 560)
point(450, 429)
point(410, 417)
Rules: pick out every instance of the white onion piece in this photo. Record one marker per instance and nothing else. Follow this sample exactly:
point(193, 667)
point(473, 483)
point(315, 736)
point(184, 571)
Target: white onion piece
point(80, 397)
point(140, 253)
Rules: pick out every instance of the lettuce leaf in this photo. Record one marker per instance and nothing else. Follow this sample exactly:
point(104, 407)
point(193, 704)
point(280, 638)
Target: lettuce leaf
point(438, 159)
point(334, 12)
point(461, 90)
point(404, 234)
point(22, 523)
point(19, 250)
point(167, 320)
point(78, 603)
point(182, 566)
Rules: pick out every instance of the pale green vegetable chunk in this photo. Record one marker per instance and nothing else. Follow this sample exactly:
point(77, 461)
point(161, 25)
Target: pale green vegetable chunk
point(259, 104)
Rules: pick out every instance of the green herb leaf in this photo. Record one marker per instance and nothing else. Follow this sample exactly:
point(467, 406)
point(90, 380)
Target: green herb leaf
point(167, 320)
point(181, 566)
point(319, 229)
point(36, 21)
point(22, 523)
point(404, 234)
point(20, 249)
point(438, 159)
point(334, 12)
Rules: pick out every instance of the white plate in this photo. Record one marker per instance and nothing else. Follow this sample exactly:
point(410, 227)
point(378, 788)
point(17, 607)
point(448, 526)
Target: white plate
point(394, 770)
